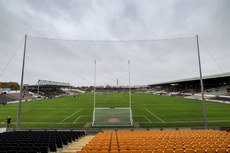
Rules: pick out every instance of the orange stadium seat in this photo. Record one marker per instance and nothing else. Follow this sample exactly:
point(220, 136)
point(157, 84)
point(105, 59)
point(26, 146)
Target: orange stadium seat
point(82, 151)
point(215, 146)
point(187, 147)
point(125, 151)
point(147, 151)
point(160, 147)
point(170, 147)
point(86, 148)
point(206, 146)
point(183, 141)
point(224, 146)
point(200, 150)
point(124, 147)
point(142, 148)
point(114, 151)
point(210, 150)
point(179, 147)
point(168, 151)
point(91, 151)
point(152, 148)
point(189, 151)
point(104, 148)
point(157, 151)
point(179, 151)
point(221, 150)
point(132, 147)
point(103, 151)
point(114, 148)
point(136, 151)
point(96, 148)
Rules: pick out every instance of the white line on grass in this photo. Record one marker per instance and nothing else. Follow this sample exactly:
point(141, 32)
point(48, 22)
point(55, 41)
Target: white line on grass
point(147, 119)
point(70, 116)
point(155, 115)
point(135, 122)
point(77, 119)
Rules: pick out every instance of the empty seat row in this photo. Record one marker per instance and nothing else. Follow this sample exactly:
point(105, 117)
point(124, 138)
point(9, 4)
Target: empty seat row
point(220, 150)
point(184, 141)
point(36, 141)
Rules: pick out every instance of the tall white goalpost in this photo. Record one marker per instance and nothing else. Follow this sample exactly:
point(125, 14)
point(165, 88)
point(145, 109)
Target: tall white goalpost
point(112, 116)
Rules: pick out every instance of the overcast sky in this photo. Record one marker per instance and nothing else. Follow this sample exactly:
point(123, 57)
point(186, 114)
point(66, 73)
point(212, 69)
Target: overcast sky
point(151, 61)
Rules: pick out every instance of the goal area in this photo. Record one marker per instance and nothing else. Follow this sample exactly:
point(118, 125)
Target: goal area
point(112, 117)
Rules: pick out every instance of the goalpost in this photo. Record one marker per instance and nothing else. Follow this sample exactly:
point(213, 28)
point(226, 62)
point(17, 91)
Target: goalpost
point(112, 116)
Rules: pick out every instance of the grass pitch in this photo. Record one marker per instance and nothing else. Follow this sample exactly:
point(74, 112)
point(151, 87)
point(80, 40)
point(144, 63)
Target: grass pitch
point(149, 111)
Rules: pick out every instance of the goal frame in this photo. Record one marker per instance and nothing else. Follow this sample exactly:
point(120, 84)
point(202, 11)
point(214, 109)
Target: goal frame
point(114, 108)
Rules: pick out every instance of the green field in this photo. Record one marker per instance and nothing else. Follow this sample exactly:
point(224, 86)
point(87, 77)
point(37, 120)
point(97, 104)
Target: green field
point(149, 111)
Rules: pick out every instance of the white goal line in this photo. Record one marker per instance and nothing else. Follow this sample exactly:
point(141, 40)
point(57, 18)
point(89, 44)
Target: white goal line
point(112, 107)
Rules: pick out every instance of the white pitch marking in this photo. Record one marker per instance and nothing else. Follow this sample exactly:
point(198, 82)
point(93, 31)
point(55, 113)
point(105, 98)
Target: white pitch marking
point(135, 122)
point(147, 119)
point(77, 119)
point(70, 116)
point(155, 115)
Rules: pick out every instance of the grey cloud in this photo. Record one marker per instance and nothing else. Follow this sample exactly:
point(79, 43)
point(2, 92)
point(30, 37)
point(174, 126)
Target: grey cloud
point(109, 20)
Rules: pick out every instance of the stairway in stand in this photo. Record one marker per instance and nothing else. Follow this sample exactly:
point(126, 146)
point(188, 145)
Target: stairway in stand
point(77, 145)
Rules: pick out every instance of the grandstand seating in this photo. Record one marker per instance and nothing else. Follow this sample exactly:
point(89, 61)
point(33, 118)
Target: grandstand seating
point(184, 141)
point(49, 93)
point(17, 95)
point(36, 141)
point(221, 98)
point(4, 98)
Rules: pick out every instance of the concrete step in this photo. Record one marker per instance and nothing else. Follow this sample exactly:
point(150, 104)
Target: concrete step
point(77, 145)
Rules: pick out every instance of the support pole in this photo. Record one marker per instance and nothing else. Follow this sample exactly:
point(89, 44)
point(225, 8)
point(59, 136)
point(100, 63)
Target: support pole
point(94, 99)
point(130, 101)
point(129, 86)
point(21, 87)
point(117, 83)
point(38, 86)
point(201, 84)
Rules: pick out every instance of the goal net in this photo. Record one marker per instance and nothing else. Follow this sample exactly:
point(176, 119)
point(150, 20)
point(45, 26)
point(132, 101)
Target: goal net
point(113, 85)
point(112, 117)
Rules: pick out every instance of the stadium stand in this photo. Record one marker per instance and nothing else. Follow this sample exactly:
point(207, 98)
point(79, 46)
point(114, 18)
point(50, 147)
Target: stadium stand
point(49, 93)
point(222, 98)
point(4, 98)
point(180, 141)
point(36, 141)
point(221, 90)
point(17, 95)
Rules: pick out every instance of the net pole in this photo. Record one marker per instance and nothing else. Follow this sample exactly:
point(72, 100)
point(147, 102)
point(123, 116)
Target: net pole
point(129, 86)
point(201, 83)
point(21, 87)
point(130, 101)
point(94, 96)
point(38, 86)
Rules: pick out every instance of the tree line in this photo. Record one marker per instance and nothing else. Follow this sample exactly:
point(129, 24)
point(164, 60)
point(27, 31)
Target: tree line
point(12, 85)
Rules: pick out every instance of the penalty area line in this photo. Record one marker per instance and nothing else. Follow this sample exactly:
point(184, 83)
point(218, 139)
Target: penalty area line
point(77, 119)
point(155, 115)
point(147, 119)
point(70, 116)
